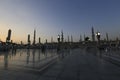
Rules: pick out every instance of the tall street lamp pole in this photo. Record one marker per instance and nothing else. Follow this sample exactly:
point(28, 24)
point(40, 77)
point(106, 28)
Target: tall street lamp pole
point(58, 38)
point(98, 37)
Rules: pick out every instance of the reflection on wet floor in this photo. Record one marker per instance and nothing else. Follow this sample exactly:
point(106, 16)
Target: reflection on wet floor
point(25, 58)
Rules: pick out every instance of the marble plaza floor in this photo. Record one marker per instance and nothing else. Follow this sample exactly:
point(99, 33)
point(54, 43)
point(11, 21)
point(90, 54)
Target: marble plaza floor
point(78, 65)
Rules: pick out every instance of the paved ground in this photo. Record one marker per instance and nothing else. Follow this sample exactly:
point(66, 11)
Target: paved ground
point(79, 65)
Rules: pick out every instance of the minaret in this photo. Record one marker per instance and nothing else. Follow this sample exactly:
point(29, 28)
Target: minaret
point(80, 38)
point(84, 37)
point(117, 39)
point(11, 41)
point(34, 38)
point(28, 39)
point(9, 36)
point(21, 43)
point(39, 40)
point(93, 34)
point(51, 39)
point(65, 40)
point(68, 39)
point(71, 39)
point(107, 38)
point(46, 41)
point(62, 36)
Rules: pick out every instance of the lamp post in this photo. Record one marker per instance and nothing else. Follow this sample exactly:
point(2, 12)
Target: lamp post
point(58, 38)
point(58, 47)
point(98, 37)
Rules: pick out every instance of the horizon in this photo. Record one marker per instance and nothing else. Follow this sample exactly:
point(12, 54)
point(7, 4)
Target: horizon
point(74, 17)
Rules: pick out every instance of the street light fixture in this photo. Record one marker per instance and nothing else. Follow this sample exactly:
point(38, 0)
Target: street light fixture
point(58, 47)
point(98, 37)
point(58, 38)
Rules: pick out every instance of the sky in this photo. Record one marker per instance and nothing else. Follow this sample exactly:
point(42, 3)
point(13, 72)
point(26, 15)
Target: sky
point(49, 17)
